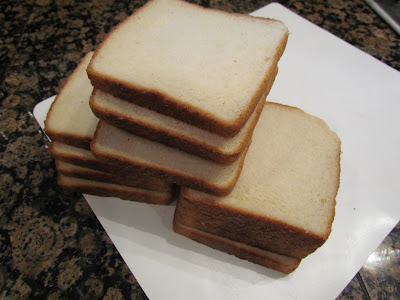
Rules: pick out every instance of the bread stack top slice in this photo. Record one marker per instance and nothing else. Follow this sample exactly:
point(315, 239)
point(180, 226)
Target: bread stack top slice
point(284, 200)
point(205, 67)
point(70, 119)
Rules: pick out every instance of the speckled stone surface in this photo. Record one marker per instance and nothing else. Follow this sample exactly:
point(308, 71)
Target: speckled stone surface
point(51, 244)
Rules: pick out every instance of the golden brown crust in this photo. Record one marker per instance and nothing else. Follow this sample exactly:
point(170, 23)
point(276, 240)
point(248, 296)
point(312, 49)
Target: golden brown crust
point(171, 107)
point(244, 227)
point(118, 191)
point(96, 164)
point(138, 181)
point(167, 174)
point(176, 140)
point(84, 162)
point(167, 105)
point(283, 264)
point(69, 139)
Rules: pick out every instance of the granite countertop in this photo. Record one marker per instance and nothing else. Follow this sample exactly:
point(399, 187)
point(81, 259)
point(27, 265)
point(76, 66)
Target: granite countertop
point(51, 244)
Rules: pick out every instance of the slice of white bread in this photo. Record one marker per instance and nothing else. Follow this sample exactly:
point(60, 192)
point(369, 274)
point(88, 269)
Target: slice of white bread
point(284, 200)
point(116, 146)
point(172, 132)
point(113, 190)
point(138, 181)
point(203, 66)
point(85, 158)
point(70, 119)
point(265, 258)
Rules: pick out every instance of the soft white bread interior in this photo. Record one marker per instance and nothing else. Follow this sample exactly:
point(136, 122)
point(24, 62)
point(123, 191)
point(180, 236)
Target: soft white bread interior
point(119, 147)
point(206, 66)
point(113, 190)
point(284, 200)
point(70, 119)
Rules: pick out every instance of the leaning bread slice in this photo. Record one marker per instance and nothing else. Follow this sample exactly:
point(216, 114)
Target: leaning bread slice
point(139, 181)
point(119, 147)
point(172, 132)
point(284, 264)
point(85, 159)
point(70, 119)
point(284, 200)
point(113, 190)
point(202, 66)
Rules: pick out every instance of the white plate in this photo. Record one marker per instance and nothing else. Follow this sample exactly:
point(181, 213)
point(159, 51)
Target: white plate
point(359, 97)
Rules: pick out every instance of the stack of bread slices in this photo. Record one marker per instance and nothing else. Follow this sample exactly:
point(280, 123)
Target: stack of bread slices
point(71, 125)
point(173, 99)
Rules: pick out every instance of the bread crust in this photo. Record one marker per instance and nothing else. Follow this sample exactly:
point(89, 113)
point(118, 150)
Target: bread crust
point(96, 164)
point(264, 258)
point(245, 227)
point(119, 191)
point(102, 176)
point(82, 161)
point(167, 105)
point(177, 140)
point(69, 139)
point(165, 174)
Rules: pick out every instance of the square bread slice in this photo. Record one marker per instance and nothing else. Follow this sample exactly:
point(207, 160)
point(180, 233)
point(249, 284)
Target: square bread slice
point(70, 119)
point(104, 189)
point(203, 66)
point(284, 200)
point(172, 132)
point(82, 158)
point(118, 147)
